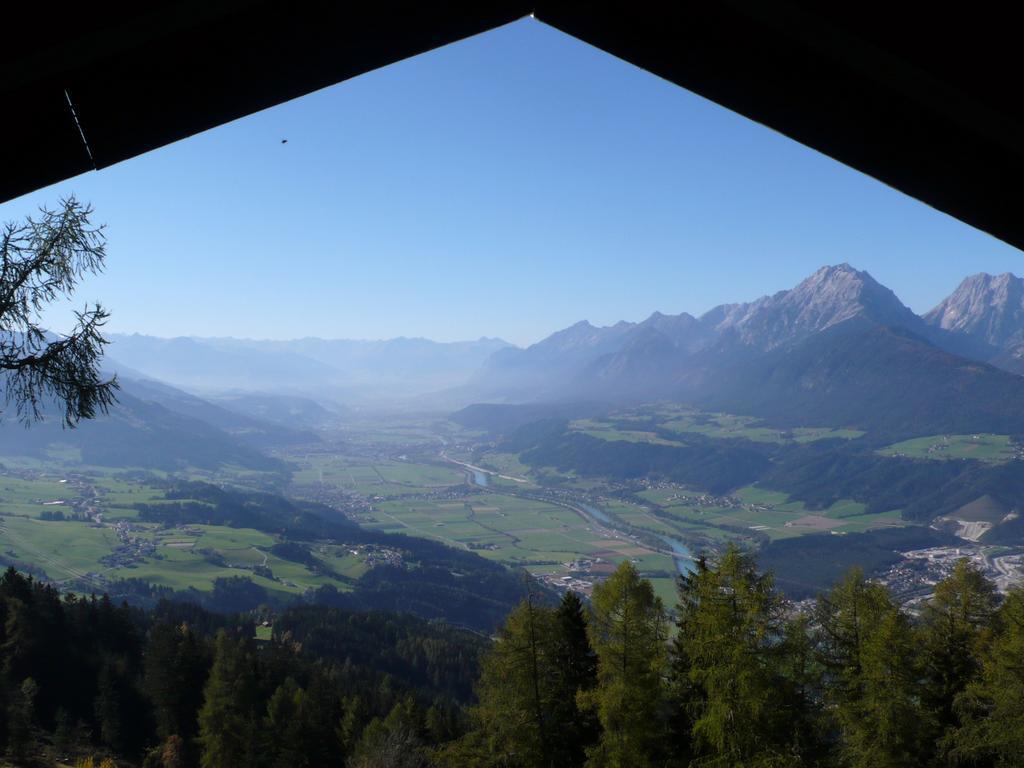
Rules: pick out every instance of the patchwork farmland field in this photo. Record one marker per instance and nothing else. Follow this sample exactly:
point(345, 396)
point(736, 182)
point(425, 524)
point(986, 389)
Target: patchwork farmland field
point(545, 538)
point(368, 477)
point(100, 539)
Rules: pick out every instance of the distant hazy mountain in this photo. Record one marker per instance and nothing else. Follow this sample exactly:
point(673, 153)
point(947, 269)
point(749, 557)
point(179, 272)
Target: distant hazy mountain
point(252, 428)
point(397, 357)
point(647, 365)
point(543, 368)
point(686, 332)
point(649, 358)
point(196, 364)
point(284, 411)
point(311, 366)
point(838, 346)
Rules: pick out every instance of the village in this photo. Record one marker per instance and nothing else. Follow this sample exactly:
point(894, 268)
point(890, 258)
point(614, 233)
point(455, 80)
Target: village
point(913, 579)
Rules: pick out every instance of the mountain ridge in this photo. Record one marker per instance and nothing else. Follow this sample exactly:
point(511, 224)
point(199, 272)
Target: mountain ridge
point(988, 308)
point(772, 356)
point(333, 369)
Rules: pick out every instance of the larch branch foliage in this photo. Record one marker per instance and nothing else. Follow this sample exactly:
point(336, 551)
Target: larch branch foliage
point(43, 259)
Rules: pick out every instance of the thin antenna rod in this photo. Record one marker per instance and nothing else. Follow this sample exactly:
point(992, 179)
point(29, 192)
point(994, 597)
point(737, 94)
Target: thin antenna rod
point(78, 125)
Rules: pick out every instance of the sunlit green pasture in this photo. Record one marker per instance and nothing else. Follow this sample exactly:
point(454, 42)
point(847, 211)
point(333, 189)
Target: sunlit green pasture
point(725, 425)
point(63, 549)
point(981, 447)
point(29, 497)
point(754, 511)
point(607, 431)
point(192, 556)
point(516, 531)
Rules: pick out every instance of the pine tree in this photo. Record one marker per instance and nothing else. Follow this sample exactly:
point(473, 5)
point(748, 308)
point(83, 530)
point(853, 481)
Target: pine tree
point(43, 260)
point(732, 647)
point(286, 734)
point(108, 709)
point(176, 666)
point(442, 723)
point(869, 649)
point(955, 627)
point(395, 741)
point(228, 722)
point(628, 633)
point(20, 720)
point(575, 668)
point(991, 708)
point(800, 678)
point(517, 689)
point(684, 698)
point(319, 713)
point(353, 719)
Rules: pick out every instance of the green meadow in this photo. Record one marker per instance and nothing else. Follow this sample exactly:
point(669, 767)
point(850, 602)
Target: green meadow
point(751, 513)
point(538, 535)
point(725, 425)
point(65, 550)
point(374, 478)
point(981, 447)
point(190, 557)
point(625, 425)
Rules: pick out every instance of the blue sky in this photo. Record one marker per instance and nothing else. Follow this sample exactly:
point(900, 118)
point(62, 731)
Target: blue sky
point(507, 185)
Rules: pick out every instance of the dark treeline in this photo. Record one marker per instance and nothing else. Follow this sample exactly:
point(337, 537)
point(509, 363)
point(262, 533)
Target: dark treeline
point(198, 502)
point(717, 465)
point(738, 678)
point(744, 680)
point(178, 686)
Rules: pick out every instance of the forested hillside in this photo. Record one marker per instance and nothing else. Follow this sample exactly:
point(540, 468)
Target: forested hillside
point(178, 686)
point(426, 577)
point(741, 679)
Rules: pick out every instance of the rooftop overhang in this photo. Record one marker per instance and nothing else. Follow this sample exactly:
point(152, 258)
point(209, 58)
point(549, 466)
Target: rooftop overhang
point(923, 99)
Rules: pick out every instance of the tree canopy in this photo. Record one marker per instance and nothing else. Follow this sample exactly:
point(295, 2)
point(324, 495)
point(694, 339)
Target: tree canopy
point(746, 680)
point(42, 260)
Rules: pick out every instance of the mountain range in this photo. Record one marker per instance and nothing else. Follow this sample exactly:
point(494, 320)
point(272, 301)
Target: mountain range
point(839, 348)
point(331, 369)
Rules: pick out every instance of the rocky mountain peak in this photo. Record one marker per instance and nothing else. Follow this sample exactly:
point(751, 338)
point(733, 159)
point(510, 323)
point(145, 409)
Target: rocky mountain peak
point(982, 321)
point(987, 307)
point(832, 295)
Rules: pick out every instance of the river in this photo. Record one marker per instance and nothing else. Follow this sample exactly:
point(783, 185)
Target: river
point(681, 554)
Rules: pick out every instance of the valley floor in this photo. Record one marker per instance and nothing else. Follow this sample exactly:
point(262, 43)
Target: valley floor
point(427, 477)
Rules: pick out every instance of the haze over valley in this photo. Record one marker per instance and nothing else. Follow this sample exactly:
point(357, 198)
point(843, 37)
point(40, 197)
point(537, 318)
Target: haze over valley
point(822, 417)
point(760, 357)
